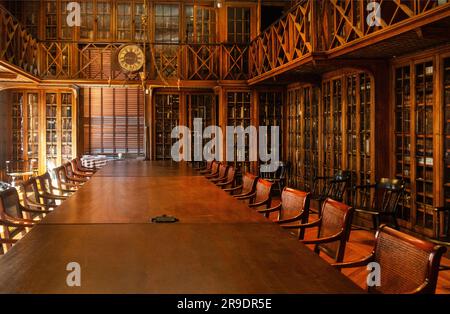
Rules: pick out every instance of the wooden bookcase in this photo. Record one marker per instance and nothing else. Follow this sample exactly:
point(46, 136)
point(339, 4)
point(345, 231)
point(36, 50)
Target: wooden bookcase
point(403, 136)
point(417, 157)
point(167, 116)
point(424, 159)
point(43, 127)
point(303, 135)
point(271, 114)
point(358, 129)
point(332, 125)
point(201, 106)
point(60, 129)
point(239, 114)
point(294, 135)
point(446, 149)
point(25, 125)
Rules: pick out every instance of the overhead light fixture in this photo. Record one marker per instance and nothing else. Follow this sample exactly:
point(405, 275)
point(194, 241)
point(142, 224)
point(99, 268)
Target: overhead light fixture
point(219, 3)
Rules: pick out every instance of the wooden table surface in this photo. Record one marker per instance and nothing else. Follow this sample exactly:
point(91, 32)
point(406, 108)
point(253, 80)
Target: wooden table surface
point(128, 168)
point(138, 199)
point(219, 245)
point(178, 259)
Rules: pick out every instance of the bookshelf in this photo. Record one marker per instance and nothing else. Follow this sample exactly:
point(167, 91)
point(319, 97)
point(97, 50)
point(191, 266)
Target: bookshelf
point(167, 107)
point(403, 136)
point(271, 114)
point(239, 114)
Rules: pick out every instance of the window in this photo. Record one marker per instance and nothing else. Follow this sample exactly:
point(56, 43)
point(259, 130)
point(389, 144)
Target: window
point(103, 20)
point(139, 32)
point(124, 21)
point(87, 20)
point(238, 25)
point(167, 29)
point(50, 20)
point(200, 24)
point(113, 120)
point(167, 32)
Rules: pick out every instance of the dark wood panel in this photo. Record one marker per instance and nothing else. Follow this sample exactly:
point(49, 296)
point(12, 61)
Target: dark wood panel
point(180, 258)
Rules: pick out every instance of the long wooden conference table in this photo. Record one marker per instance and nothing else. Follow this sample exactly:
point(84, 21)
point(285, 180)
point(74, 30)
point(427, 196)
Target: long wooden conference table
point(218, 246)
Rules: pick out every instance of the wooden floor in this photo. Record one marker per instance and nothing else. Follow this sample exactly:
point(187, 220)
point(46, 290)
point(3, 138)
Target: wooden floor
point(360, 245)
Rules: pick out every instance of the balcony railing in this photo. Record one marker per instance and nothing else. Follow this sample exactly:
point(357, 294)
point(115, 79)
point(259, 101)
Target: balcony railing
point(314, 27)
point(97, 61)
point(17, 46)
point(309, 29)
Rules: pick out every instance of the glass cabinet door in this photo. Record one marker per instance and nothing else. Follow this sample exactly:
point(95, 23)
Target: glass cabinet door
point(424, 144)
point(66, 127)
point(17, 126)
point(51, 109)
point(33, 126)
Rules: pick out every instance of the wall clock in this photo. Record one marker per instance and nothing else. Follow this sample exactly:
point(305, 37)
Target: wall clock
point(131, 58)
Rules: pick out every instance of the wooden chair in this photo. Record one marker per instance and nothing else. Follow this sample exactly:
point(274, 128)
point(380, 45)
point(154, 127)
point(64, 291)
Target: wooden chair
point(32, 198)
point(247, 187)
point(81, 168)
point(50, 191)
point(19, 170)
point(205, 166)
point(62, 182)
point(229, 181)
point(72, 176)
point(208, 167)
point(223, 171)
point(390, 189)
point(333, 229)
point(214, 170)
point(80, 173)
point(278, 178)
point(14, 209)
point(332, 187)
point(294, 202)
point(408, 265)
point(12, 226)
point(262, 195)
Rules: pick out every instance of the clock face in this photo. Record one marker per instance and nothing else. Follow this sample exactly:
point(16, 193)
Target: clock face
point(131, 58)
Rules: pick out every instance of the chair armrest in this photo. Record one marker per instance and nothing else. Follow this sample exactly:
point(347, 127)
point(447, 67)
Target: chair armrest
point(36, 211)
point(54, 197)
point(420, 289)
point(219, 179)
point(212, 175)
point(270, 210)
point(293, 219)
point(234, 189)
point(77, 180)
point(224, 183)
point(246, 196)
point(307, 225)
point(265, 202)
point(17, 222)
point(359, 263)
point(82, 175)
point(32, 204)
point(68, 185)
point(332, 238)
